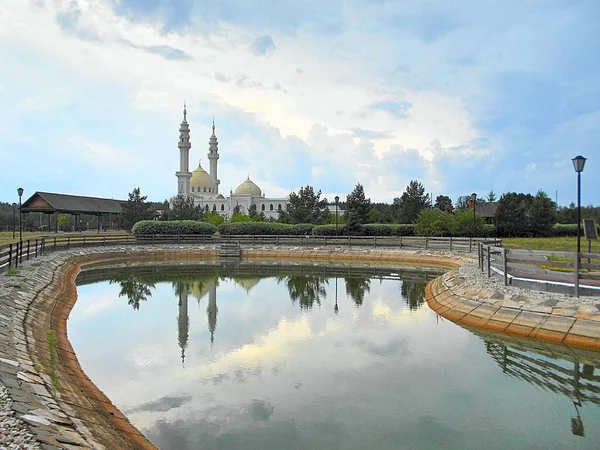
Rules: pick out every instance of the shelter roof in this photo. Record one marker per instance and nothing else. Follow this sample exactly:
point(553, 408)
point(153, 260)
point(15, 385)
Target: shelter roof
point(49, 202)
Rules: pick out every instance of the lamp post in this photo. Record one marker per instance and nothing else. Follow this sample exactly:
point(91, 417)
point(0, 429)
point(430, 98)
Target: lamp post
point(337, 199)
point(98, 219)
point(579, 164)
point(14, 205)
point(473, 199)
point(20, 192)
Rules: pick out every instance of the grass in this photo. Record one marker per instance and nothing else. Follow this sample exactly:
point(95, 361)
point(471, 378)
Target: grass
point(52, 343)
point(556, 244)
point(6, 236)
point(12, 271)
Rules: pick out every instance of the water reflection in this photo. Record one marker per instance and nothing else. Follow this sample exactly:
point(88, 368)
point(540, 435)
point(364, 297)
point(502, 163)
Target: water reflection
point(554, 368)
point(305, 289)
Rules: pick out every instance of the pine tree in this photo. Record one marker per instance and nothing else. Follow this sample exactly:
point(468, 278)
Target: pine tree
point(357, 209)
point(135, 209)
point(412, 201)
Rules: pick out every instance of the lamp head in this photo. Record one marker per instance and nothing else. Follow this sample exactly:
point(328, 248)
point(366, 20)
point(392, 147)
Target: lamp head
point(337, 198)
point(20, 192)
point(473, 196)
point(579, 163)
point(14, 205)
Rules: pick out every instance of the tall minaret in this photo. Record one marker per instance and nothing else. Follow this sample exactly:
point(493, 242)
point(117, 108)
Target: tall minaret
point(183, 321)
point(184, 175)
point(213, 156)
point(212, 311)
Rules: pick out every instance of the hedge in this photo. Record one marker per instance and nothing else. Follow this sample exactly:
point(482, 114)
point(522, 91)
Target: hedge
point(146, 227)
point(265, 228)
point(370, 229)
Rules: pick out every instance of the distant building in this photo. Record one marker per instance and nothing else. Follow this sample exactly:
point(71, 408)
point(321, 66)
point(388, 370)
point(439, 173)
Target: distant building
point(203, 186)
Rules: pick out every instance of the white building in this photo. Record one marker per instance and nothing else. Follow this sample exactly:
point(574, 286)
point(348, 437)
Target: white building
point(203, 187)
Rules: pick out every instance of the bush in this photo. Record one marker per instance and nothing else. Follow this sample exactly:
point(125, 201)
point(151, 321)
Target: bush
point(148, 227)
point(265, 228)
point(565, 229)
point(328, 230)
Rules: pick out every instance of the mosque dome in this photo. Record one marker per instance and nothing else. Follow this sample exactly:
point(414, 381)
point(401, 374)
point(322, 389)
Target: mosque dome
point(201, 181)
point(248, 187)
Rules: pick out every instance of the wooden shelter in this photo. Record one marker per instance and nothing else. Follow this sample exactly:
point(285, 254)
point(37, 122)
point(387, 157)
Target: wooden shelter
point(52, 204)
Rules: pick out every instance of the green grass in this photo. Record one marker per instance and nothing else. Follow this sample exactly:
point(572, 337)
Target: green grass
point(556, 244)
point(12, 271)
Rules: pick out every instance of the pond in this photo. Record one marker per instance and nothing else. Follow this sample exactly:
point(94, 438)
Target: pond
point(255, 356)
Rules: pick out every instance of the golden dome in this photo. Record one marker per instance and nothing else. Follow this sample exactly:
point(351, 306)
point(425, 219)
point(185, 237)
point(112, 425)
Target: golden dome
point(201, 179)
point(248, 187)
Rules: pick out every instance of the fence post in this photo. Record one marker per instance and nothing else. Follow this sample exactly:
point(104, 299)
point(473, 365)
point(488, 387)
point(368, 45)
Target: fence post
point(36, 244)
point(9, 255)
point(489, 262)
point(349, 241)
point(470, 245)
point(374, 241)
point(426, 240)
point(84, 241)
point(103, 241)
point(450, 243)
point(68, 242)
point(17, 256)
point(400, 241)
point(576, 274)
point(54, 243)
point(20, 251)
point(505, 262)
point(28, 247)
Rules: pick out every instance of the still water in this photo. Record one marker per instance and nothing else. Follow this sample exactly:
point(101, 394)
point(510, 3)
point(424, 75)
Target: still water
point(306, 357)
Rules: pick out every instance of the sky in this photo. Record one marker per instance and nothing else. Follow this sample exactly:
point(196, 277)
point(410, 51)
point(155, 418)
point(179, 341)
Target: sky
point(467, 96)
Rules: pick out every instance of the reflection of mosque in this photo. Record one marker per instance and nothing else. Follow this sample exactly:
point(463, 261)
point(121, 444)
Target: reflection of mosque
point(558, 372)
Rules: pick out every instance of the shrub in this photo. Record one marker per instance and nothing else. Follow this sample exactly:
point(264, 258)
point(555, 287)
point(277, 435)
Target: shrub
point(564, 229)
point(328, 230)
point(264, 228)
point(148, 227)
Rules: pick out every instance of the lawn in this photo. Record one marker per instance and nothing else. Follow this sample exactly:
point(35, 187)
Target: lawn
point(6, 236)
point(558, 244)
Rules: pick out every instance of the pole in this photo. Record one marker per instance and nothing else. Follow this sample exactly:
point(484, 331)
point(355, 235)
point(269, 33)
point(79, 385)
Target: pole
point(578, 213)
point(20, 220)
point(14, 219)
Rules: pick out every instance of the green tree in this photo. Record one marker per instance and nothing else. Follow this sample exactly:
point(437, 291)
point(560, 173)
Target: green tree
point(135, 209)
point(214, 218)
point(357, 209)
point(443, 203)
point(512, 215)
point(543, 215)
point(306, 289)
point(412, 201)
point(306, 207)
point(463, 224)
point(491, 197)
point(356, 287)
point(184, 209)
point(63, 220)
point(433, 222)
point(135, 291)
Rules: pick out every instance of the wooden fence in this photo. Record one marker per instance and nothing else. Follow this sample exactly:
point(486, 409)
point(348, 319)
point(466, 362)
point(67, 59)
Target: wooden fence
point(564, 272)
point(12, 255)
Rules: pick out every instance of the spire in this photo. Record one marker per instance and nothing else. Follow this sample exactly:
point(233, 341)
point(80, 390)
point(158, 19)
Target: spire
point(213, 126)
point(185, 110)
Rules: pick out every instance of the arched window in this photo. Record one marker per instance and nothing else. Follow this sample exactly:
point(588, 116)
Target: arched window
point(204, 189)
point(279, 207)
point(262, 207)
point(214, 208)
point(271, 207)
point(206, 208)
point(222, 207)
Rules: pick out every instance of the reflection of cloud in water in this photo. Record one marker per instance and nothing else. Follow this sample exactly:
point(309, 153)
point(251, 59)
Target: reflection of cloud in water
point(162, 404)
point(237, 430)
point(260, 410)
point(425, 432)
point(391, 348)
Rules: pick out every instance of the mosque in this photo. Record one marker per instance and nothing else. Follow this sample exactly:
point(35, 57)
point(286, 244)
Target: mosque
point(203, 186)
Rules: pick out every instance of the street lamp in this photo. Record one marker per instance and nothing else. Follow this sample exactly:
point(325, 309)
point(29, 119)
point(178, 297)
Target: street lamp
point(473, 199)
point(579, 164)
point(337, 199)
point(14, 205)
point(20, 192)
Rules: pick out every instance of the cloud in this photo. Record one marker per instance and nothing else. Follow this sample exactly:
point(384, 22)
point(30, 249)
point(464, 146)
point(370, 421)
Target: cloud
point(371, 134)
point(173, 14)
point(163, 404)
point(263, 45)
point(397, 109)
point(166, 51)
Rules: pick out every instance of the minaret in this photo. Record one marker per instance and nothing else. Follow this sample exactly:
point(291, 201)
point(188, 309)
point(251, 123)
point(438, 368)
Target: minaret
point(184, 175)
point(183, 321)
point(212, 311)
point(213, 156)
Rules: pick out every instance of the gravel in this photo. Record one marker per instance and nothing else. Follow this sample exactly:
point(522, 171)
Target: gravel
point(14, 434)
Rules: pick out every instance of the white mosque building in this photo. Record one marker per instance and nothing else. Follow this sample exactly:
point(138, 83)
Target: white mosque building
point(203, 186)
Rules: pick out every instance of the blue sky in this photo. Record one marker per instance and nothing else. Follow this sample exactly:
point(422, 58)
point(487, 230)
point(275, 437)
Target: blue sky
point(467, 97)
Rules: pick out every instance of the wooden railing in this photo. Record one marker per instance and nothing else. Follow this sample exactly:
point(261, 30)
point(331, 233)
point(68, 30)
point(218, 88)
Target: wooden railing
point(11, 255)
point(566, 272)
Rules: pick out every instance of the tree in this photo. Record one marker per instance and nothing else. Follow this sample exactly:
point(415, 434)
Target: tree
point(491, 197)
point(543, 215)
point(184, 209)
point(443, 203)
point(356, 287)
point(357, 209)
point(134, 210)
point(512, 215)
point(306, 207)
point(63, 219)
point(412, 201)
